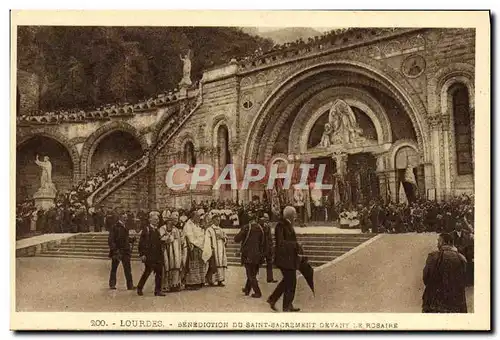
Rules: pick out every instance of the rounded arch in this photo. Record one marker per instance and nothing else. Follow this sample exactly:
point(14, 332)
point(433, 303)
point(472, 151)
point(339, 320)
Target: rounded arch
point(398, 145)
point(93, 140)
point(304, 121)
point(218, 121)
point(28, 172)
point(23, 137)
point(446, 77)
point(411, 103)
point(183, 139)
point(279, 157)
point(446, 87)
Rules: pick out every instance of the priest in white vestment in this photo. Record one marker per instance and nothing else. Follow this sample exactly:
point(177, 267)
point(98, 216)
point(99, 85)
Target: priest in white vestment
point(215, 252)
point(171, 239)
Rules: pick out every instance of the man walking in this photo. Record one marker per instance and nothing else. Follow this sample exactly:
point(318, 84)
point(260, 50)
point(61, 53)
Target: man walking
point(253, 250)
point(287, 260)
point(120, 250)
point(445, 279)
point(150, 251)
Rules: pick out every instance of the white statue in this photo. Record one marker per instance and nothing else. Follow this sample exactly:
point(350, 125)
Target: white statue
point(46, 178)
point(342, 126)
point(325, 138)
point(186, 69)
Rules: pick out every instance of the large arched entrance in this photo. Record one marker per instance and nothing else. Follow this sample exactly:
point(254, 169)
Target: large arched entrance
point(377, 113)
point(28, 173)
point(115, 146)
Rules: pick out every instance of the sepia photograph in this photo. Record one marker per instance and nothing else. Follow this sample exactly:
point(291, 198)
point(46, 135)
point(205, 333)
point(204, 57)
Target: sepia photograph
point(208, 171)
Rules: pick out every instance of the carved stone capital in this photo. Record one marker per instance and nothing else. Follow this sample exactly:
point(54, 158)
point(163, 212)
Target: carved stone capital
point(445, 122)
point(435, 122)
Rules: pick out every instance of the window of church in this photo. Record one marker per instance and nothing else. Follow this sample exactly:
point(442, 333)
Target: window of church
point(463, 133)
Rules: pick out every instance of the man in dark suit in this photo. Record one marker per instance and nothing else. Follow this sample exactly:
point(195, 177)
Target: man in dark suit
point(445, 279)
point(375, 213)
point(120, 250)
point(150, 251)
point(287, 260)
point(253, 250)
point(264, 222)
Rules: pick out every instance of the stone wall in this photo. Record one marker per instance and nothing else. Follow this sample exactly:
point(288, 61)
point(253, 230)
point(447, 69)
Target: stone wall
point(132, 195)
point(219, 105)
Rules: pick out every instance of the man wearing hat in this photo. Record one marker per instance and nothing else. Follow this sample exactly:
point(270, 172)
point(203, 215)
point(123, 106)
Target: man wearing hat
point(150, 251)
point(287, 260)
point(253, 250)
point(119, 243)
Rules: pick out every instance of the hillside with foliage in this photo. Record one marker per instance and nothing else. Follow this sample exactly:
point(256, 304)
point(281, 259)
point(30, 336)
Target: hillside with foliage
point(88, 67)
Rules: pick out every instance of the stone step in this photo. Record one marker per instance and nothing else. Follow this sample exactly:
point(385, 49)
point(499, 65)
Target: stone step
point(319, 248)
point(352, 241)
point(104, 236)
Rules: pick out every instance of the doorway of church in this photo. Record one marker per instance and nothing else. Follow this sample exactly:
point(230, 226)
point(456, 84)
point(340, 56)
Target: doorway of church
point(361, 179)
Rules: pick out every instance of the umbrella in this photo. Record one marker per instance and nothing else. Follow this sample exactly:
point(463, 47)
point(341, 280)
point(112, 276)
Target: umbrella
point(307, 271)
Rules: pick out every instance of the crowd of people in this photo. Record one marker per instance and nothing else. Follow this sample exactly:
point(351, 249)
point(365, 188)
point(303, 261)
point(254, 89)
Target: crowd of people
point(191, 254)
point(70, 212)
point(65, 114)
point(316, 42)
point(183, 255)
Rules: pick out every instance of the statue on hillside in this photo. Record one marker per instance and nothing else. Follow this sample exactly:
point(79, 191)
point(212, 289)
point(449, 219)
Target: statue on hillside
point(186, 69)
point(46, 178)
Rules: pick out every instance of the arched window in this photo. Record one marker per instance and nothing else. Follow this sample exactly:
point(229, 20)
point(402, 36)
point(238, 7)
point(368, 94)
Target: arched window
point(189, 155)
point(223, 146)
point(462, 124)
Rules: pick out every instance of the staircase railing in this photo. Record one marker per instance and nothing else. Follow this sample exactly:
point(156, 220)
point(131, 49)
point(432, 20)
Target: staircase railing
point(108, 187)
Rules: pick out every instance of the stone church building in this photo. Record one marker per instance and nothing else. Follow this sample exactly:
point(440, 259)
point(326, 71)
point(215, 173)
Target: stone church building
point(408, 95)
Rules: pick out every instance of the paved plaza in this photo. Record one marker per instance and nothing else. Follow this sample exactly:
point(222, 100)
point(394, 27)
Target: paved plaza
point(383, 276)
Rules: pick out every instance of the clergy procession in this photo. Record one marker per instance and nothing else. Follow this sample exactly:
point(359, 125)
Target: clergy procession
point(186, 255)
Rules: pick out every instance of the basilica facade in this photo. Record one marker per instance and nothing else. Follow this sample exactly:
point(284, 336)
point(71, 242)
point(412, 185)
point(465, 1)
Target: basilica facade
point(370, 104)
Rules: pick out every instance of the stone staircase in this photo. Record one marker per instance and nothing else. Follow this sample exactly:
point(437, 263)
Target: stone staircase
point(175, 123)
point(320, 248)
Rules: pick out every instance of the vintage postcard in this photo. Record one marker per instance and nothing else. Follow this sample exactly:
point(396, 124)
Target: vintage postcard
point(250, 170)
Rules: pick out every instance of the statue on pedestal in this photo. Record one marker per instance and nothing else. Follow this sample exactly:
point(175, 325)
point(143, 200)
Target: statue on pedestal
point(44, 197)
point(186, 70)
point(46, 178)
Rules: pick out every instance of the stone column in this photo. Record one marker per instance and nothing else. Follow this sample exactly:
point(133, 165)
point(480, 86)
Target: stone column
point(384, 192)
point(436, 129)
point(238, 194)
point(445, 125)
point(429, 178)
point(340, 160)
point(381, 175)
point(393, 187)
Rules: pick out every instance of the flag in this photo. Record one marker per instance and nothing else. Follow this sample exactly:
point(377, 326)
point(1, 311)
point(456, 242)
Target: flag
point(402, 194)
point(410, 176)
